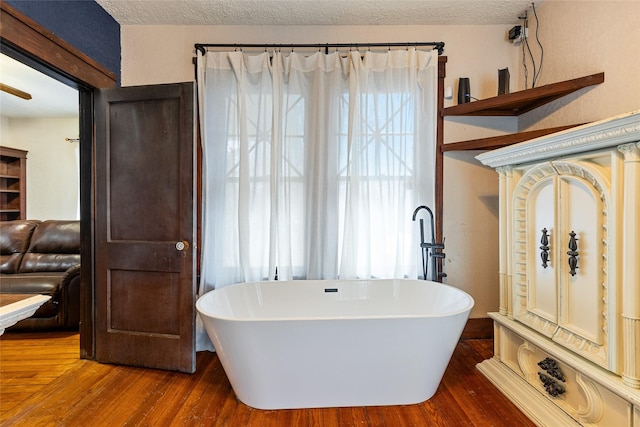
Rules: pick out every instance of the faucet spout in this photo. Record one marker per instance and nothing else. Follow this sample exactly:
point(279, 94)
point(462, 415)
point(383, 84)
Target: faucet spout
point(430, 251)
point(433, 234)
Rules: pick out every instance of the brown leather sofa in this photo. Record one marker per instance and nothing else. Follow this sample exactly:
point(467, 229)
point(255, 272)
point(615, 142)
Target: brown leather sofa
point(43, 257)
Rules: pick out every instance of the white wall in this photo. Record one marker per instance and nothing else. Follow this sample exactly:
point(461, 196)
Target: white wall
point(52, 166)
point(582, 38)
point(579, 37)
point(163, 54)
point(4, 130)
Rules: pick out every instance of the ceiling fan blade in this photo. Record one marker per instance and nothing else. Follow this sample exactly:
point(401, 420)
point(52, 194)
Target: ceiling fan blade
point(14, 91)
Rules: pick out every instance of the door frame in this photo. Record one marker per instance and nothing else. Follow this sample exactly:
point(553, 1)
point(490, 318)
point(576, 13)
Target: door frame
point(27, 41)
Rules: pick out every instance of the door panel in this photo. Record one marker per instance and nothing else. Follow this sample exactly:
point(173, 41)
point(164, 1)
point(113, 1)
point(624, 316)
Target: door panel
point(145, 285)
point(543, 294)
point(142, 148)
point(583, 294)
point(123, 302)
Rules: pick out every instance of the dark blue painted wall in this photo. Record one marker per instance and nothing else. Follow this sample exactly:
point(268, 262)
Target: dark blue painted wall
point(84, 24)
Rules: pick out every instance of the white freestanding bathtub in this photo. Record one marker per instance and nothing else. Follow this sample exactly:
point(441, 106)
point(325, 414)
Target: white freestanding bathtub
point(306, 343)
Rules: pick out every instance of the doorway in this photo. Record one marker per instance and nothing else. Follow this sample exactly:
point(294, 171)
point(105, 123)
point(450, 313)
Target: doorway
point(49, 129)
point(25, 41)
point(33, 45)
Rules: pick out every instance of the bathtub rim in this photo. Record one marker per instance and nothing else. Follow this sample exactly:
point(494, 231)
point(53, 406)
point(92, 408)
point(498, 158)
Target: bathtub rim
point(467, 308)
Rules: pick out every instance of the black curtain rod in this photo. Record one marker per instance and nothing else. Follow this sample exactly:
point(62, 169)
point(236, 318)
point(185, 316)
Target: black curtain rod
point(436, 45)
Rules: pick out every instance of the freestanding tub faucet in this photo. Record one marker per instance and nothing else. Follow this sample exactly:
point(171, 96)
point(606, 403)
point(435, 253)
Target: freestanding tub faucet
point(431, 252)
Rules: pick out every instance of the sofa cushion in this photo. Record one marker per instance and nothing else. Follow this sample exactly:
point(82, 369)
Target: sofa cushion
point(55, 246)
point(14, 241)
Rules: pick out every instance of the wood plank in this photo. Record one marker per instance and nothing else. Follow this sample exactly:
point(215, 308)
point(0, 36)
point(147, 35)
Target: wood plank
point(468, 390)
point(356, 415)
point(431, 411)
point(111, 397)
point(439, 157)
point(28, 364)
point(15, 92)
point(445, 409)
point(478, 328)
point(473, 393)
point(90, 393)
point(374, 416)
point(206, 390)
point(493, 142)
point(171, 392)
point(516, 103)
point(17, 29)
point(6, 299)
point(484, 348)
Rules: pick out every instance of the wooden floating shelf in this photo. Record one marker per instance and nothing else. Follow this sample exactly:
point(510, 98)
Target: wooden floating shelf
point(516, 103)
point(494, 142)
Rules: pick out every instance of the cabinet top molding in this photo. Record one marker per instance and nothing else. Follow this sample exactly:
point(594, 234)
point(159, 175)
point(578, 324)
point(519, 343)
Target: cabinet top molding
point(610, 132)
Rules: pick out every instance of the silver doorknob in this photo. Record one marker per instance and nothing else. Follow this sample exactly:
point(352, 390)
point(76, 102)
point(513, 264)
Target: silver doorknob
point(182, 246)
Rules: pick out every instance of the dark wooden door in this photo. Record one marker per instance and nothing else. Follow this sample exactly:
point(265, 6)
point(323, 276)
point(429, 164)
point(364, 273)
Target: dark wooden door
point(145, 226)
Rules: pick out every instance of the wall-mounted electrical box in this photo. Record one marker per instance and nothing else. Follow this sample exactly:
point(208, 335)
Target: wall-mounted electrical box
point(516, 34)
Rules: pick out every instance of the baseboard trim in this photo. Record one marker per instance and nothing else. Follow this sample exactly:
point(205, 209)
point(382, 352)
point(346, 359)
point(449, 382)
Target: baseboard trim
point(479, 328)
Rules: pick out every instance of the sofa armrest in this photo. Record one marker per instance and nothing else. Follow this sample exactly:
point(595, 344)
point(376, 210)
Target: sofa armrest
point(70, 297)
point(71, 273)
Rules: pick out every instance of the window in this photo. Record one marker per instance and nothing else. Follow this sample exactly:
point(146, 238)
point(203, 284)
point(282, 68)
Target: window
point(320, 169)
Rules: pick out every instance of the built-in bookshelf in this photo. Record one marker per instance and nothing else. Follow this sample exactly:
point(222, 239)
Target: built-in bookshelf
point(13, 184)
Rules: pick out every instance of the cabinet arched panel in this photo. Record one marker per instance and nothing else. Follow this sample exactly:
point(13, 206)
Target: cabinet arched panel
point(542, 293)
point(581, 212)
point(560, 278)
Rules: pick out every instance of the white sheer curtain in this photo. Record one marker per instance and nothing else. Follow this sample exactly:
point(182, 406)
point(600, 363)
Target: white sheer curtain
point(313, 164)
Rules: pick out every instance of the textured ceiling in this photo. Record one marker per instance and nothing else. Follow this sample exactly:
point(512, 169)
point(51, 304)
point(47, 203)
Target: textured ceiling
point(315, 12)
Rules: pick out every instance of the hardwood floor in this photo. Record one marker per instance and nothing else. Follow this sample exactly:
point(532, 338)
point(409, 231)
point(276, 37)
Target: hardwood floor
point(44, 383)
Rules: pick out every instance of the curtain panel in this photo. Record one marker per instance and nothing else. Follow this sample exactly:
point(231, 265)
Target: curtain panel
point(313, 164)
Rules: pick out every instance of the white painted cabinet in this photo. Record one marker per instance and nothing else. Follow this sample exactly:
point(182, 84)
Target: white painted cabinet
point(560, 218)
point(567, 333)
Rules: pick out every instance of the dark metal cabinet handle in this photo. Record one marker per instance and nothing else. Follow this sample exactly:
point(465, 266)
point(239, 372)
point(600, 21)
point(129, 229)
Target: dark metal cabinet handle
point(573, 253)
point(552, 387)
point(544, 249)
point(551, 377)
point(552, 368)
